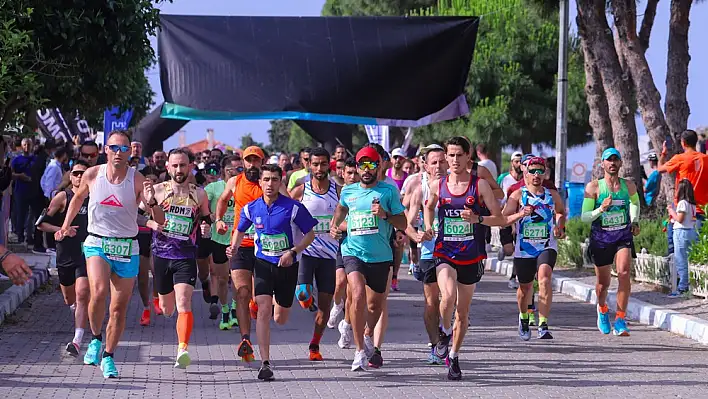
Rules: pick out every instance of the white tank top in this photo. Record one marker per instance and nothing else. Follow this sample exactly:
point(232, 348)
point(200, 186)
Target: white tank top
point(112, 208)
point(321, 207)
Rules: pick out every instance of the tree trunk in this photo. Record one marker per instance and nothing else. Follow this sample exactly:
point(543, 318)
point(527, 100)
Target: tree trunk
point(676, 105)
point(648, 97)
point(599, 111)
point(648, 23)
point(595, 31)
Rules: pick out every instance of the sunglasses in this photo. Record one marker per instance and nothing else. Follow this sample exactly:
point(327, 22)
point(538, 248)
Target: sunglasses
point(537, 171)
point(212, 172)
point(78, 173)
point(92, 155)
point(368, 165)
point(306, 159)
point(239, 169)
point(119, 148)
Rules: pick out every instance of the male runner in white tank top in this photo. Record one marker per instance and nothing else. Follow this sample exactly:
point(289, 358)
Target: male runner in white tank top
point(111, 249)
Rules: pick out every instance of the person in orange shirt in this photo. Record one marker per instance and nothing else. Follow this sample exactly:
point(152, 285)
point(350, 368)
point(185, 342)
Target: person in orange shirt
point(243, 188)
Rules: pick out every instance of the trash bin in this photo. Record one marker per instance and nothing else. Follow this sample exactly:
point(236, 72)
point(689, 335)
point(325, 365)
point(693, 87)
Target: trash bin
point(576, 193)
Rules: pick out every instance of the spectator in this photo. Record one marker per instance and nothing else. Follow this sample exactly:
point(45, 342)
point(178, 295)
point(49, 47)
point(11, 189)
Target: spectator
point(38, 202)
point(5, 182)
point(21, 167)
point(701, 146)
point(136, 150)
point(215, 155)
point(684, 231)
point(484, 160)
point(690, 165)
point(651, 189)
point(51, 179)
point(305, 158)
point(340, 152)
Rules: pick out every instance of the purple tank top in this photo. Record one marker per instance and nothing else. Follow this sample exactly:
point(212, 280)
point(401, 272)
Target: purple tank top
point(178, 238)
point(400, 182)
point(459, 241)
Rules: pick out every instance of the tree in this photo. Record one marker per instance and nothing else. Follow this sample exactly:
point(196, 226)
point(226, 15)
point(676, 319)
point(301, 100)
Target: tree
point(279, 134)
point(511, 87)
point(85, 56)
point(373, 7)
point(676, 105)
point(298, 139)
point(247, 141)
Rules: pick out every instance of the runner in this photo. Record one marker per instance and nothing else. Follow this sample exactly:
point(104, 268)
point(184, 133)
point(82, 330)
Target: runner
point(71, 264)
point(243, 189)
point(460, 245)
point(611, 204)
point(283, 229)
point(434, 167)
point(373, 209)
point(174, 246)
point(320, 196)
point(211, 173)
point(536, 245)
point(111, 250)
point(217, 248)
point(342, 297)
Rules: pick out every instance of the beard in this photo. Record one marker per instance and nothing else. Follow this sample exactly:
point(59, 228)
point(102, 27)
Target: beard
point(517, 170)
point(368, 178)
point(179, 178)
point(320, 176)
point(252, 174)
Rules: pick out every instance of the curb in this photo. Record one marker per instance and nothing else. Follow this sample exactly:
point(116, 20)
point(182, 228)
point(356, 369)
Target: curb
point(668, 320)
point(14, 296)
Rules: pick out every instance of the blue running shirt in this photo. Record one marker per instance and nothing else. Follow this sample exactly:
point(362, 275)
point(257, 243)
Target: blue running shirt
point(369, 237)
point(278, 228)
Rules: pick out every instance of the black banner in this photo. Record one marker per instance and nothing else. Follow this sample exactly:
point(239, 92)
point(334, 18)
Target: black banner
point(52, 124)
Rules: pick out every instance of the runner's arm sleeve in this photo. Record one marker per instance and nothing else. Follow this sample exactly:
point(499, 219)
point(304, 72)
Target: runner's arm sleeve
point(633, 207)
point(589, 214)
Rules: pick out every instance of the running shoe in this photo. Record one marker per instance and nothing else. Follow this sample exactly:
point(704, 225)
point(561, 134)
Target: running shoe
point(524, 331)
point(360, 363)
point(93, 353)
point(214, 311)
point(244, 349)
point(109, 367)
point(603, 322)
point(454, 372)
point(225, 322)
point(532, 319)
point(513, 284)
point(543, 332)
point(265, 373)
point(334, 314)
point(433, 359)
point(500, 254)
point(368, 346)
point(233, 321)
point(206, 292)
point(376, 360)
point(183, 359)
point(253, 308)
point(72, 349)
point(621, 329)
point(156, 306)
point(410, 269)
point(145, 318)
point(249, 358)
point(345, 335)
point(394, 284)
point(315, 354)
point(442, 348)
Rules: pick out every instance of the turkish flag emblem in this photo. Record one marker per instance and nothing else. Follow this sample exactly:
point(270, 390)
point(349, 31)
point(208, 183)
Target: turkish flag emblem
point(469, 201)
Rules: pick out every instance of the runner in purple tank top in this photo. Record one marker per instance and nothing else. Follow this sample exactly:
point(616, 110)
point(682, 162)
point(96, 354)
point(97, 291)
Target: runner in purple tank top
point(464, 203)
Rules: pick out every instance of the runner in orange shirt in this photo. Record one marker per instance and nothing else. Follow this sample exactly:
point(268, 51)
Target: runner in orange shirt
point(243, 188)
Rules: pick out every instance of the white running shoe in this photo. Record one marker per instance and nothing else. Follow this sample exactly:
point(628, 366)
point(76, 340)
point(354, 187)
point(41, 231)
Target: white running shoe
point(513, 284)
point(345, 335)
point(360, 362)
point(183, 360)
point(334, 314)
point(368, 346)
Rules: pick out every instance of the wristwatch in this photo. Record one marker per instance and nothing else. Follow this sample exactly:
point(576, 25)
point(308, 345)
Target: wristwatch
point(219, 220)
point(293, 251)
point(480, 219)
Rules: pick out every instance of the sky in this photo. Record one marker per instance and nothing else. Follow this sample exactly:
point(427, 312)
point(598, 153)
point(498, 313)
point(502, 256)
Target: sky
point(230, 132)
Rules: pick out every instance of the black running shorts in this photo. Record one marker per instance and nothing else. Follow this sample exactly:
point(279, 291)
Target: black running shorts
point(145, 243)
point(526, 268)
point(466, 274)
point(427, 269)
point(605, 255)
point(69, 274)
point(323, 271)
point(278, 282)
point(376, 274)
point(244, 259)
point(506, 236)
point(169, 272)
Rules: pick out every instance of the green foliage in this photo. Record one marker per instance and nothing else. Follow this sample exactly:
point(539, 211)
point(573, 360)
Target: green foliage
point(570, 253)
point(279, 135)
point(699, 249)
point(577, 230)
point(247, 141)
point(372, 7)
point(511, 87)
point(652, 237)
point(83, 55)
point(299, 139)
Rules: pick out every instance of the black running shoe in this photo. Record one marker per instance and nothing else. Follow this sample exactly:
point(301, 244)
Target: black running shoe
point(214, 311)
point(206, 292)
point(72, 349)
point(265, 373)
point(376, 360)
point(454, 373)
point(543, 332)
point(443, 346)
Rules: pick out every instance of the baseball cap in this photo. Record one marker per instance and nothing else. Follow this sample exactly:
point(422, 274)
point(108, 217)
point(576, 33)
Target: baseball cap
point(368, 152)
point(253, 150)
point(273, 160)
point(610, 152)
point(526, 157)
point(517, 154)
point(398, 152)
point(536, 161)
point(652, 157)
point(426, 149)
point(212, 166)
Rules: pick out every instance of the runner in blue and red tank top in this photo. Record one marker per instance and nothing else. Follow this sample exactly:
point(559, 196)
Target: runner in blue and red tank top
point(464, 202)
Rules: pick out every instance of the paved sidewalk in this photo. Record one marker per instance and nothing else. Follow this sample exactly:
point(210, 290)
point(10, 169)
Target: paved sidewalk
point(579, 363)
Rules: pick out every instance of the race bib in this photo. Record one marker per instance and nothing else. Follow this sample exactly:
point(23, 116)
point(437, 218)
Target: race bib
point(274, 245)
point(535, 231)
point(613, 219)
point(322, 226)
point(251, 232)
point(362, 223)
point(178, 227)
point(229, 218)
point(457, 229)
point(436, 226)
point(117, 249)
